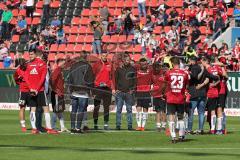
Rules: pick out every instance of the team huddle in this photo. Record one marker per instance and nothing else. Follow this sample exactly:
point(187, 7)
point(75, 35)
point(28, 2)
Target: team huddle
point(172, 89)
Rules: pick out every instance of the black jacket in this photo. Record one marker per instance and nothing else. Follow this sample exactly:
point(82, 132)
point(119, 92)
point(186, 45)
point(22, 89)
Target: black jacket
point(81, 77)
point(125, 78)
point(194, 72)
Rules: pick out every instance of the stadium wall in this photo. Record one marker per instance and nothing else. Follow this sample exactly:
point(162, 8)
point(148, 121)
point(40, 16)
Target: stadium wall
point(9, 93)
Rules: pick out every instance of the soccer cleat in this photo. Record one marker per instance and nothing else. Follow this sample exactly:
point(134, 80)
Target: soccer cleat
point(167, 132)
point(219, 132)
point(79, 131)
point(174, 141)
point(212, 132)
point(142, 129)
point(64, 130)
point(24, 129)
point(35, 131)
point(181, 139)
point(95, 127)
point(52, 131)
point(118, 128)
point(86, 129)
point(139, 129)
point(73, 131)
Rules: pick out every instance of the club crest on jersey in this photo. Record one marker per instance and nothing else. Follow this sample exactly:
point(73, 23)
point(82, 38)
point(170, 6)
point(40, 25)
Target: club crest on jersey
point(34, 71)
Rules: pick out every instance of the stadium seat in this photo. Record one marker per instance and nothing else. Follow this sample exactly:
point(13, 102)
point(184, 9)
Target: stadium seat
point(114, 39)
point(66, 29)
point(22, 12)
point(78, 48)
point(39, 5)
point(72, 39)
point(62, 48)
point(74, 30)
point(84, 21)
point(230, 11)
point(137, 49)
point(95, 4)
point(36, 21)
point(76, 21)
point(85, 12)
point(80, 39)
point(117, 12)
point(94, 12)
point(89, 31)
point(122, 39)
point(15, 38)
point(70, 48)
point(105, 38)
point(112, 4)
point(88, 39)
point(55, 4)
point(178, 3)
point(60, 55)
point(15, 12)
point(120, 4)
point(13, 21)
point(28, 20)
point(82, 30)
point(53, 48)
point(51, 57)
point(87, 47)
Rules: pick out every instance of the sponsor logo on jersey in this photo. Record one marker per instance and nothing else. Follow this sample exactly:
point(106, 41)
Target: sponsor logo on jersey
point(34, 71)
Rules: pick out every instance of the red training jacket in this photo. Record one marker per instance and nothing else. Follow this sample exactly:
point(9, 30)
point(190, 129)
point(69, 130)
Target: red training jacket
point(19, 79)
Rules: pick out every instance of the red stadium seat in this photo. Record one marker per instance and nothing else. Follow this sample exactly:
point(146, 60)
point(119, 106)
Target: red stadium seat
point(28, 20)
point(94, 12)
point(88, 39)
point(55, 4)
point(66, 29)
point(84, 21)
point(105, 38)
point(112, 4)
point(15, 38)
point(78, 48)
point(36, 21)
point(230, 11)
point(62, 48)
point(120, 4)
point(13, 21)
point(51, 57)
point(130, 38)
point(85, 12)
point(76, 21)
point(178, 3)
point(15, 12)
point(95, 4)
point(74, 30)
point(122, 39)
point(87, 47)
point(54, 48)
point(22, 12)
point(117, 12)
point(60, 55)
point(70, 48)
point(82, 30)
point(114, 39)
point(39, 5)
point(72, 39)
point(89, 31)
point(80, 39)
point(137, 49)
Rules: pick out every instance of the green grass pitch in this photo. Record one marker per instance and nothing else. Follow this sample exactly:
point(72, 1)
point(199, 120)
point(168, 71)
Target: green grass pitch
point(114, 145)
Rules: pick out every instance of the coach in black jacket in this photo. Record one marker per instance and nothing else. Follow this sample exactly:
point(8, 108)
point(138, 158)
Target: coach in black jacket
point(80, 82)
point(198, 87)
point(125, 85)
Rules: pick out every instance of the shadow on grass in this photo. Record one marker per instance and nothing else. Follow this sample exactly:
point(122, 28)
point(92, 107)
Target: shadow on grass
point(179, 151)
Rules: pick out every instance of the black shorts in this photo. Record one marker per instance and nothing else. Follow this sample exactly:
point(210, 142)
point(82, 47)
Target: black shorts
point(173, 108)
point(58, 103)
point(159, 105)
point(39, 100)
point(222, 100)
point(212, 104)
point(143, 99)
point(104, 95)
point(23, 99)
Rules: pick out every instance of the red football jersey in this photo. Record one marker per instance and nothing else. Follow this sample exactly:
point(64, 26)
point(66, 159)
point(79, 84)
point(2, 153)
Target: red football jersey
point(144, 80)
point(213, 91)
point(20, 80)
point(177, 82)
point(223, 82)
point(36, 74)
point(158, 84)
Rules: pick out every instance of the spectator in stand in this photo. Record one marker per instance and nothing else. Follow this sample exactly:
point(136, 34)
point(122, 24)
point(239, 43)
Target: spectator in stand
point(46, 9)
point(202, 15)
point(142, 8)
point(55, 23)
point(202, 2)
point(125, 86)
point(30, 8)
point(192, 16)
point(188, 3)
point(195, 36)
point(149, 24)
point(14, 4)
point(97, 34)
point(129, 22)
point(5, 23)
point(61, 35)
point(173, 34)
point(33, 41)
point(21, 27)
point(219, 25)
point(104, 16)
point(173, 17)
point(163, 6)
point(236, 15)
point(3, 51)
point(162, 18)
point(184, 34)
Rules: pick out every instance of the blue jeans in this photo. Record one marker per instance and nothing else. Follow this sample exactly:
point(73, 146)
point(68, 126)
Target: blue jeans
point(200, 104)
point(79, 105)
point(122, 97)
point(142, 9)
point(97, 47)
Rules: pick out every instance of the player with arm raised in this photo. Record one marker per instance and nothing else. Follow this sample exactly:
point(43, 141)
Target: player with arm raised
point(177, 80)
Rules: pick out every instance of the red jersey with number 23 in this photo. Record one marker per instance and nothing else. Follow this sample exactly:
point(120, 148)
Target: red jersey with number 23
point(177, 82)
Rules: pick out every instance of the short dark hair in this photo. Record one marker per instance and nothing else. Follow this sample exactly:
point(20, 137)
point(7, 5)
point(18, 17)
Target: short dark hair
point(142, 59)
point(175, 61)
point(21, 62)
